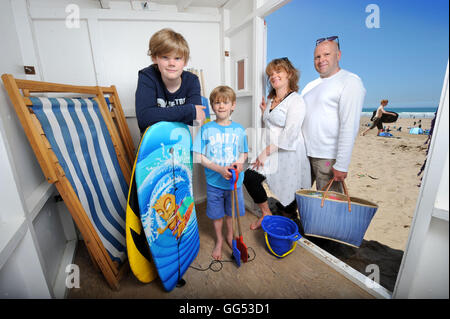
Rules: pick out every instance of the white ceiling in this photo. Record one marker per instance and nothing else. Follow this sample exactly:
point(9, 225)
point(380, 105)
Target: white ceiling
point(190, 3)
point(195, 3)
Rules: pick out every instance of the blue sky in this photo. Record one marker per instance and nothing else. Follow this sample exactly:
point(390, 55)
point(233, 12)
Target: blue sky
point(404, 60)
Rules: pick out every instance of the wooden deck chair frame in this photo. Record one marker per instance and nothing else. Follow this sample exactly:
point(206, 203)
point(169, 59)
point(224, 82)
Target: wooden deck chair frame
point(19, 92)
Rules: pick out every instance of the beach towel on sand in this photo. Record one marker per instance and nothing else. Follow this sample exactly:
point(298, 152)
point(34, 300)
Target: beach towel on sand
point(385, 134)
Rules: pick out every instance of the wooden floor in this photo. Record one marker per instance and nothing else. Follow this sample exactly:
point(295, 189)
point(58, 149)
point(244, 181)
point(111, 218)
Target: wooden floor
point(299, 275)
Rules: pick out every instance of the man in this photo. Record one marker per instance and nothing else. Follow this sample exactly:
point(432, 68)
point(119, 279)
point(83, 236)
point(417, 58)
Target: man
point(377, 118)
point(334, 103)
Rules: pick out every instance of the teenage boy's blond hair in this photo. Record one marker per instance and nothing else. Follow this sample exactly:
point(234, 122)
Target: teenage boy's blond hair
point(166, 41)
point(222, 93)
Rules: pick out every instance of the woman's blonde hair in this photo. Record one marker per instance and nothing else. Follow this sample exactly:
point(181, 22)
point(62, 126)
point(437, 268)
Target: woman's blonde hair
point(167, 41)
point(222, 93)
point(283, 63)
point(384, 101)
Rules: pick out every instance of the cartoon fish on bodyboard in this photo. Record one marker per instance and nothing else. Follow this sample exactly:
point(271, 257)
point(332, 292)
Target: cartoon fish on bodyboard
point(166, 202)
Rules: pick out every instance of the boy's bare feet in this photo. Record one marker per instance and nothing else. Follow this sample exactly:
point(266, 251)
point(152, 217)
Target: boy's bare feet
point(217, 251)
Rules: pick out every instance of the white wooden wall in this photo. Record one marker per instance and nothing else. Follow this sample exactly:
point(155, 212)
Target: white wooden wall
point(424, 269)
point(35, 233)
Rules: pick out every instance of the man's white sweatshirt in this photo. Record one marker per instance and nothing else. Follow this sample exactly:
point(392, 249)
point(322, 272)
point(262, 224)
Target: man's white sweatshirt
point(333, 111)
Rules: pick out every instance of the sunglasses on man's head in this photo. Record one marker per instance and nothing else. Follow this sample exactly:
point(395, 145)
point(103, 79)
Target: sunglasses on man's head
point(332, 38)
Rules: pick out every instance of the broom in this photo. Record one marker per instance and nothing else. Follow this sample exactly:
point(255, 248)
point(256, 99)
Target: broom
point(240, 241)
point(236, 252)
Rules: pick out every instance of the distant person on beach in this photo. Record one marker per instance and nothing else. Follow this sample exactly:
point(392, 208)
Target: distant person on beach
point(377, 119)
point(334, 103)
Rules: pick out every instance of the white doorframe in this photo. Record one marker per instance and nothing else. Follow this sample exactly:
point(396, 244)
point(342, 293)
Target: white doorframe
point(426, 208)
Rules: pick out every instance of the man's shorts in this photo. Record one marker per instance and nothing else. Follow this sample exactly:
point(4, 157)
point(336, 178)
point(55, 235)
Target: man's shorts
point(218, 202)
point(322, 172)
point(377, 122)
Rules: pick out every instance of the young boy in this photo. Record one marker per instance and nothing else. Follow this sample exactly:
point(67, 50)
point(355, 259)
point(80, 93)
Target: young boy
point(221, 145)
point(164, 91)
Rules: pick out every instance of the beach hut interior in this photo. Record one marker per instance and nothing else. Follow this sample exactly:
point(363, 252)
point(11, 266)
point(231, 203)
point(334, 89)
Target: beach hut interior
point(94, 49)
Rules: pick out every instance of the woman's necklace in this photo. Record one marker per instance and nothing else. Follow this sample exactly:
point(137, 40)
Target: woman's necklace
point(277, 100)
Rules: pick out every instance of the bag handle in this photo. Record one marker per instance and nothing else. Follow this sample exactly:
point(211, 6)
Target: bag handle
point(328, 185)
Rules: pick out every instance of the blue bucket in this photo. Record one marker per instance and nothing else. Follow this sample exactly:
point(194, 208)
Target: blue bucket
point(281, 235)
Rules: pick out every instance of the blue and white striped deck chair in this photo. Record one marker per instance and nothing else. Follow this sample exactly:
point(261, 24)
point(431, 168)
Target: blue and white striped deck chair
point(84, 149)
point(80, 139)
point(115, 108)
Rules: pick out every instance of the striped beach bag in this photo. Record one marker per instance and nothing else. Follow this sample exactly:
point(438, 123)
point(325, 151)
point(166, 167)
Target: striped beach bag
point(334, 216)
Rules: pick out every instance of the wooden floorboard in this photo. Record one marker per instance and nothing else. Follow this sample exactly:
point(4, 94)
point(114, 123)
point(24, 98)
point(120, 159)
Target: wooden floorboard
point(299, 275)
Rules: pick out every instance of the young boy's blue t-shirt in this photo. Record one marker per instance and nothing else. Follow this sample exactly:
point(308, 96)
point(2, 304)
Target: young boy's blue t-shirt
point(222, 145)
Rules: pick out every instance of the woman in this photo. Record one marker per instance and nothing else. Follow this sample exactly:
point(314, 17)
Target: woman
point(283, 162)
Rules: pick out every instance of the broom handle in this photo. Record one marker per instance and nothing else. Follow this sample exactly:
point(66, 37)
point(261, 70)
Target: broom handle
point(238, 213)
point(345, 192)
point(232, 214)
point(234, 194)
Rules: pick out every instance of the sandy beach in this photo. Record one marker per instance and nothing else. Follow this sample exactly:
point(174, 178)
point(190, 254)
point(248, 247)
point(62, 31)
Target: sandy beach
point(384, 170)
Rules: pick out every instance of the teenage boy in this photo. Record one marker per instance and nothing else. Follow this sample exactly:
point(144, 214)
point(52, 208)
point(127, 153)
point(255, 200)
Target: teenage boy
point(165, 92)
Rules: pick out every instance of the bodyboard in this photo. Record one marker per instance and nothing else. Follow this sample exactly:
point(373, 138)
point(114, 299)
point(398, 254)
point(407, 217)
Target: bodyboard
point(386, 118)
point(138, 251)
point(166, 201)
point(389, 118)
